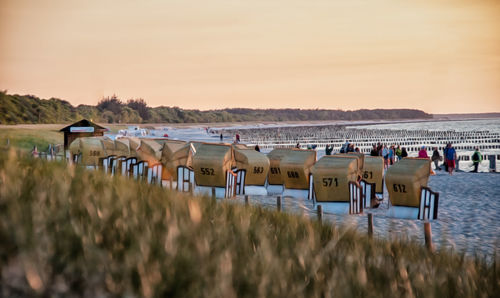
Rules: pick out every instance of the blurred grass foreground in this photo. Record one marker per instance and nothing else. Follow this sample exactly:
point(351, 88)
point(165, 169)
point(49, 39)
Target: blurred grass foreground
point(66, 231)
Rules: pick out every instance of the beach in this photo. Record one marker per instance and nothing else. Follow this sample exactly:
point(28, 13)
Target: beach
point(469, 203)
point(467, 222)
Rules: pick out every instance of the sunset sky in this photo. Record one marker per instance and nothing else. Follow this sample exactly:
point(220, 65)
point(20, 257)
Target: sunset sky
point(441, 56)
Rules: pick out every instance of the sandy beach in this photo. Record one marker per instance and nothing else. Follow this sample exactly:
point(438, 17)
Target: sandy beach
point(468, 207)
point(467, 220)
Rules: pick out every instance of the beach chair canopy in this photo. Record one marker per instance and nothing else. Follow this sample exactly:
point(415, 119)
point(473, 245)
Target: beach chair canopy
point(361, 159)
point(182, 157)
point(255, 163)
point(331, 176)
point(74, 147)
point(161, 141)
point(168, 149)
point(275, 157)
point(404, 180)
point(373, 172)
point(134, 144)
point(240, 146)
point(109, 145)
point(296, 167)
point(122, 147)
point(211, 163)
point(197, 144)
point(90, 148)
point(149, 150)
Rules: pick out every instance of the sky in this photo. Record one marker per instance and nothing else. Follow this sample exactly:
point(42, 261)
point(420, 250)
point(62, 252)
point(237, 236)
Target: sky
point(440, 56)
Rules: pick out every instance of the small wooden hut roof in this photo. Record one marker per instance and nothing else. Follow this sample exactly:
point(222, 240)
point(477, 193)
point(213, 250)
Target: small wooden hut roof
point(84, 123)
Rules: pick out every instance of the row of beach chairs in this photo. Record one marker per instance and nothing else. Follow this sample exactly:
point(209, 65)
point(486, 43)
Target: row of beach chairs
point(344, 183)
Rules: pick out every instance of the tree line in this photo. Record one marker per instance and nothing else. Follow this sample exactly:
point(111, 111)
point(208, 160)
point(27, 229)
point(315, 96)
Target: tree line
point(19, 109)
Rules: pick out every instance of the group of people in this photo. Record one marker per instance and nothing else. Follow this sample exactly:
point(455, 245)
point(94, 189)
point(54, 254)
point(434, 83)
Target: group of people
point(449, 157)
point(346, 148)
point(394, 153)
point(390, 154)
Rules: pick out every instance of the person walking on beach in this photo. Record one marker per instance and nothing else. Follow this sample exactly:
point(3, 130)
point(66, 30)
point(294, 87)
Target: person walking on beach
point(436, 158)
point(380, 149)
point(398, 153)
point(297, 146)
point(445, 163)
point(344, 147)
point(391, 155)
point(328, 149)
point(477, 158)
point(385, 154)
point(423, 153)
point(404, 153)
point(451, 157)
point(257, 148)
point(374, 151)
point(221, 137)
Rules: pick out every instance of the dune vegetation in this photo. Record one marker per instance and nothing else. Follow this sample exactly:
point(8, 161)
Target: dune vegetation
point(17, 109)
point(25, 138)
point(66, 231)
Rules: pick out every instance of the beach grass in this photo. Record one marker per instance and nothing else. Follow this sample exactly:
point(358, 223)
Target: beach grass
point(66, 231)
point(25, 137)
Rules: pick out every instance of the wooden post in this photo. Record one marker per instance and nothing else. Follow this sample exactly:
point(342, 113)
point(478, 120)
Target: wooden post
point(370, 225)
point(428, 236)
point(246, 200)
point(320, 213)
point(213, 192)
point(493, 163)
point(278, 202)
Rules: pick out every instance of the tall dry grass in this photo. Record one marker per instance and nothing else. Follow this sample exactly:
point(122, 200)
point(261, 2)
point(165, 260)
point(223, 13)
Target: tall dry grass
point(66, 231)
point(24, 138)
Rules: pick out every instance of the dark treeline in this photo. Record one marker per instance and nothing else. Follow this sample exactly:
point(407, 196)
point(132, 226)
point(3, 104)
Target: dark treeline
point(17, 109)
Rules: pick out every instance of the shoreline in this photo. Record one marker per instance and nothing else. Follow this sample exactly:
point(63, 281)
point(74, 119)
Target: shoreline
point(243, 123)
